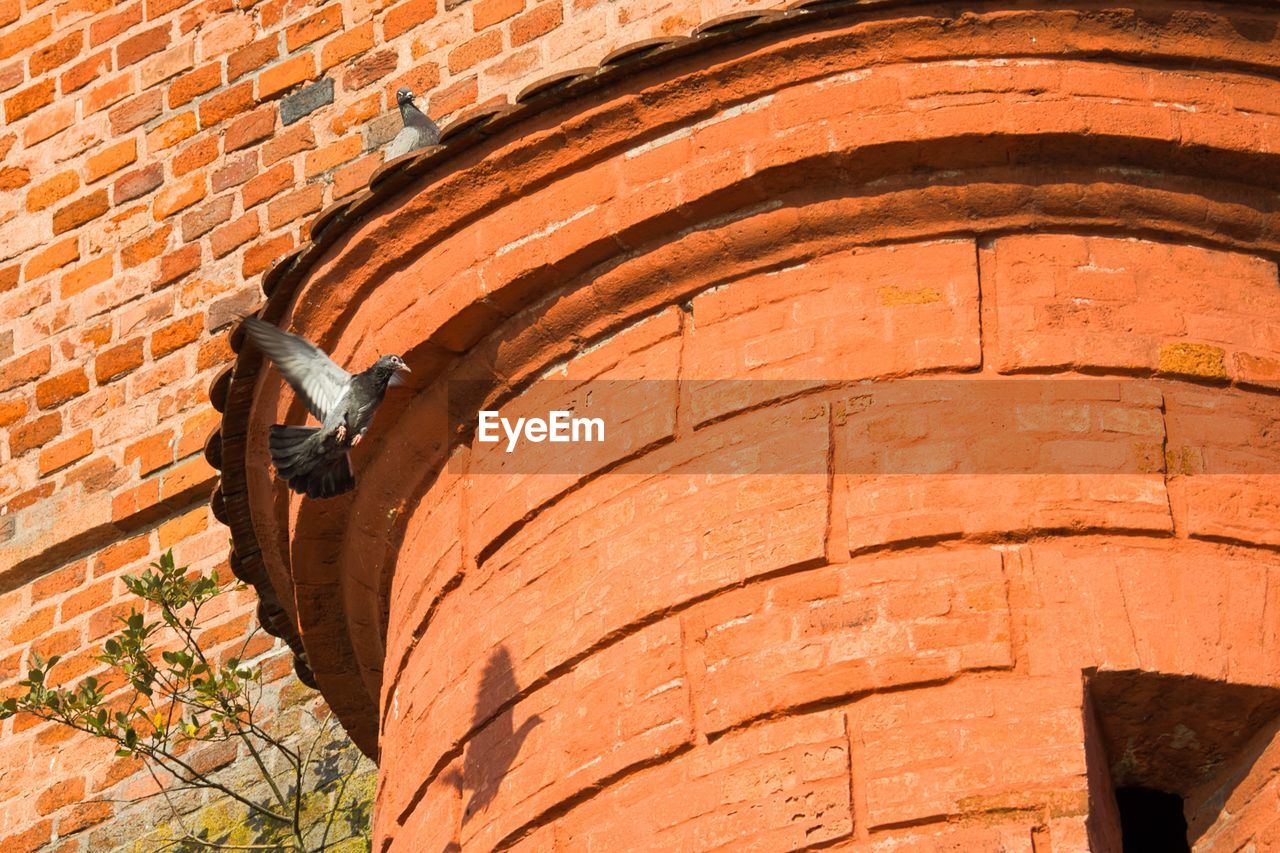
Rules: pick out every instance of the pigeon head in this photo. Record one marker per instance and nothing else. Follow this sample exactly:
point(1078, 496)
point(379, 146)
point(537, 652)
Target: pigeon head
point(404, 95)
point(392, 363)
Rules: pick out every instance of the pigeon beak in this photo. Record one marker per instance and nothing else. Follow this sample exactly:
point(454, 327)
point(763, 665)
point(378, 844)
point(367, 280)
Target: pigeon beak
point(405, 367)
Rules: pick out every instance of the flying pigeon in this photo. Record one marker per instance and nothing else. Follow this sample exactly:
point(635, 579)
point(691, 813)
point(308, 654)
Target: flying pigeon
point(314, 460)
point(419, 130)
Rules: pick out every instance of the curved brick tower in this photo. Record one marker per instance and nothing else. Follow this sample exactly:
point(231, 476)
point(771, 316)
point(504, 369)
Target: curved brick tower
point(660, 646)
point(794, 601)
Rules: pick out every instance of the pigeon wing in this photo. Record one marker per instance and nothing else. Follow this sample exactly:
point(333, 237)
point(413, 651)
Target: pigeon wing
point(320, 383)
point(405, 141)
point(428, 131)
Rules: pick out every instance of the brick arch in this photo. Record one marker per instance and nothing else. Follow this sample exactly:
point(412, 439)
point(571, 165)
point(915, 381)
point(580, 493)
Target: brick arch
point(592, 225)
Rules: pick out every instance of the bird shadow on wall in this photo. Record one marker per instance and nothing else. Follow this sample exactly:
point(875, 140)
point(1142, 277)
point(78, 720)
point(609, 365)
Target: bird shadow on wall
point(493, 751)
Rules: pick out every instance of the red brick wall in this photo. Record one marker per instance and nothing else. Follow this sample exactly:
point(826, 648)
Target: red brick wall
point(148, 179)
point(644, 650)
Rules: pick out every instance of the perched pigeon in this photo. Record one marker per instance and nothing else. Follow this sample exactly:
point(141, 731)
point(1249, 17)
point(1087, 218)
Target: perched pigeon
point(419, 130)
point(314, 460)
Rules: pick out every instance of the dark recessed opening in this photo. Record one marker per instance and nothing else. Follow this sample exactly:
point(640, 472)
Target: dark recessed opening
point(1151, 821)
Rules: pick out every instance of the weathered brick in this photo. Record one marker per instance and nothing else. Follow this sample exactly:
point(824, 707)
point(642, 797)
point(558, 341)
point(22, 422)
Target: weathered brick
point(86, 600)
point(252, 57)
point(74, 11)
point(33, 434)
point(198, 154)
point(179, 195)
point(368, 69)
point(319, 25)
point(235, 172)
point(142, 45)
point(1189, 359)
point(29, 100)
point(120, 555)
point(404, 17)
point(59, 794)
point(82, 210)
point(160, 8)
point(225, 104)
point(86, 275)
point(306, 101)
point(113, 158)
point(56, 390)
point(58, 456)
point(151, 453)
point(83, 816)
point(48, 123)
point(213, 352)
point(178, 264)
point(454, 97)
point(59, 53)
point(355, 177)
point(282, 77)
point(186, 478)
point(117, 361)
point(11, 76)
point(345, 45)
point(167, 65)
point(251, 129)
point(188, 87)
point(108, 93)
point(12, 410)
point(106, 28)
point(267, 185)
point(333, 155)
point(54, 257)
point(486, 13)
point(14, 177)
point(171, 131)
point(136, 111)
point(150, 247)
point(30, 497)
point(356, 113)
point(54, 189)
point(538, 21)
point(185, 526)
point(137, 183)
point(288, 143)
point(199, 222)
point(294, 206)
point(260, 255)
point(176, 335)
point(477, 50)
point(60, 580)
point(223, 241)
point(20, 38)
point(224, 34)
point(83, 73)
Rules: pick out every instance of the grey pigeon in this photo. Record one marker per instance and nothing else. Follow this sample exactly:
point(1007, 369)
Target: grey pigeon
point(314, 460)
point(419, 130)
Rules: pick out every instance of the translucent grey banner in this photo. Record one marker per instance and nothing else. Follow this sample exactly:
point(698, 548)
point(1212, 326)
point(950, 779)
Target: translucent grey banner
point(920, 426)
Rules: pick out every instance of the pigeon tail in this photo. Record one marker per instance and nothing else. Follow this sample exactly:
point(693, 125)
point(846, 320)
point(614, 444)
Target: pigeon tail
point(310, 468)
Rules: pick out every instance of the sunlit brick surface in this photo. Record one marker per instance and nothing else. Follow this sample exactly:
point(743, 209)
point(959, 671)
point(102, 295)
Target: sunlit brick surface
point(647, 652)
